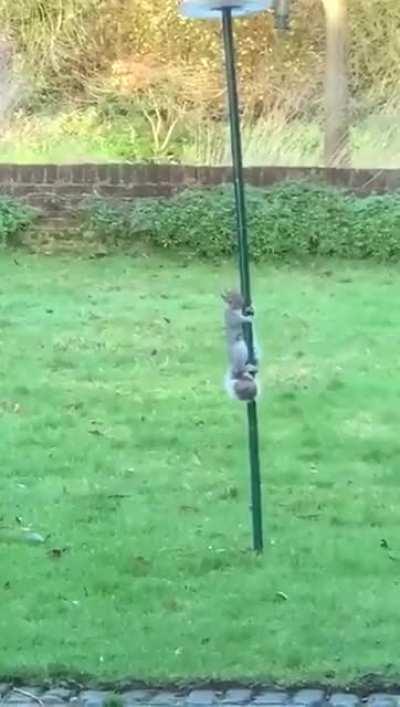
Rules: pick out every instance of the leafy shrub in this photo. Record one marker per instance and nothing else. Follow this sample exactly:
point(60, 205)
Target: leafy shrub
point(15, 218)
point(376, 227)
point(106, 222)
point(289, 219)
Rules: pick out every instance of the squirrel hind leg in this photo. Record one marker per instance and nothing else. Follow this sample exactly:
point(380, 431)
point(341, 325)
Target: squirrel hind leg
point(239, 357)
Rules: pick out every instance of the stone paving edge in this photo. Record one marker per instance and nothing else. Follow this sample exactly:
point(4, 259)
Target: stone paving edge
point(66, 695)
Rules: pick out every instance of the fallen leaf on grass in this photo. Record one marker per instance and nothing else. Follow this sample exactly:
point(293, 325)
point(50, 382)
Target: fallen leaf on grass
point(282, 595)
point(171, 605)
point(24, 536)
point(57, 552)
point(10, 406)
point(394, 558)
point(230, 493)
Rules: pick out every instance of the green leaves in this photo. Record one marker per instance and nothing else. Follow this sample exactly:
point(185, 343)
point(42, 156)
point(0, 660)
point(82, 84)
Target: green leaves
point(288, 220)
point(14, 219)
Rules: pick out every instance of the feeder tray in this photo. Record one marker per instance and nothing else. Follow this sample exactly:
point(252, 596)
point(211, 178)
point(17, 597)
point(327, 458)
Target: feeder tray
point(212, 9)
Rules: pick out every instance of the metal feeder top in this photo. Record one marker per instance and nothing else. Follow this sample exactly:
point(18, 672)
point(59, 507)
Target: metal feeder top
point(212, 9)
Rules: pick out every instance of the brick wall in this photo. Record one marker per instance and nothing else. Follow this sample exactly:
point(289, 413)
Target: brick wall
point(59, 189)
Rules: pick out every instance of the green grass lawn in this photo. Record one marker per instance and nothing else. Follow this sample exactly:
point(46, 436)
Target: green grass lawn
point(118, 445)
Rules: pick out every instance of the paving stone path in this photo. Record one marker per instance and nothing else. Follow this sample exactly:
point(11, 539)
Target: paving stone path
point(65, 696)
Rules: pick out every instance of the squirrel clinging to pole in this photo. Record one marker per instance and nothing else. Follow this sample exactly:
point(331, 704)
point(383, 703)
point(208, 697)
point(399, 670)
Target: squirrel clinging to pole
point(240, 378)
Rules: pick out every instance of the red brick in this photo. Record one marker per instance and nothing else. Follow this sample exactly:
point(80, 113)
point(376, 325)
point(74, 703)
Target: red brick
point(31, 173)
point(8, 173)
point(114, 173)
point(64, 173)
point(51, 173)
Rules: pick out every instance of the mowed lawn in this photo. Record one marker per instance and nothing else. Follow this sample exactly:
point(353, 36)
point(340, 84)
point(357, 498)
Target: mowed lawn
point(118, 445)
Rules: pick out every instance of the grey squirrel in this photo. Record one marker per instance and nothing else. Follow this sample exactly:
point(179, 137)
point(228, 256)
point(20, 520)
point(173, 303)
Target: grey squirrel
point(240, 378)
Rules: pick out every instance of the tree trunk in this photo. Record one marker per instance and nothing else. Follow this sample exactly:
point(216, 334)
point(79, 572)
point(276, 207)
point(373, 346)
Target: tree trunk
point(337, 128)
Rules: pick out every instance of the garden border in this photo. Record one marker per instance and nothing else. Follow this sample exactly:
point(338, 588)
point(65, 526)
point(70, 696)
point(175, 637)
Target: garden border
point(58, 190)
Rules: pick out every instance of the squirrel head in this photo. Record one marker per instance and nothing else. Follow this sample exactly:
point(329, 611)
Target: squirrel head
point(233, 299)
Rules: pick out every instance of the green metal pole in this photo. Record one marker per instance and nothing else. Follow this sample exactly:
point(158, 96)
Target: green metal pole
point(237, 160)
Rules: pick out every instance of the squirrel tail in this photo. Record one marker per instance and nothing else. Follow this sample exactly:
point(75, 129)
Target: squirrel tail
point(242, 386)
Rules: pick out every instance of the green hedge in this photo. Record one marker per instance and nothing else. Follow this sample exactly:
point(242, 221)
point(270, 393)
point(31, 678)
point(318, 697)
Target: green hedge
point(15, 219)
point(289, 219)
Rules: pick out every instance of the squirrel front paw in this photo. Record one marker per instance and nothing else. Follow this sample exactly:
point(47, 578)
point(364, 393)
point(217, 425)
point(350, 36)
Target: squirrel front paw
point(249, 311)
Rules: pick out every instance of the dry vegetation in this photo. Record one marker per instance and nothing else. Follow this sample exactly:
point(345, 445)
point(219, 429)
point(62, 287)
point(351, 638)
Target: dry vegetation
point(141, 60)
